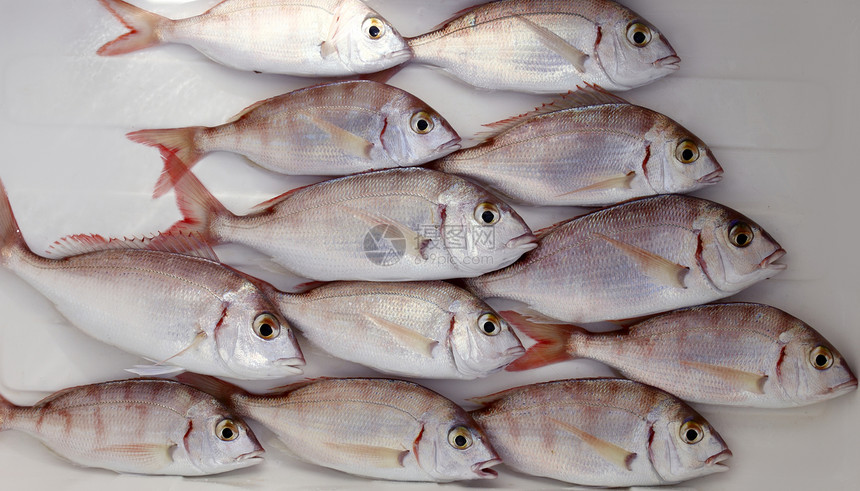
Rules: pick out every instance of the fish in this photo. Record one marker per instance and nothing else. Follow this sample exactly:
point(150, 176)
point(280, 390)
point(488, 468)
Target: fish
point(601, 432)
point(589, 148)
point(335, 128)
point(324, 38)
point(737, 354)
point(638, 258)
point(411, 329)
point(403, 224)
point(377, 428)
point(181, 311)
point(138, 426)
point(547, 46)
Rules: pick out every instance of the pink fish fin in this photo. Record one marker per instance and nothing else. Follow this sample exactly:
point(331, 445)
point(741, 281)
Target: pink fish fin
point(552, 340)
point(152, 456)
point(155, 370)
point(540, 234)
point(177, 242)
point(307, 286)
point(268, 204)
point(416, 244)
point(11, 238)
point(652, 265)
point(283, 389)
point(215, 387)
point(198, 338)
point(491, 398)
point(144, 28)
point(378, 457)
point(384, 76)
point(248, 110)
point(404, 336)
point(739, 379)
point(629, 321)
point(328, 46)
point(621, 181)
point(557, 44)
point(415, 444)
point(177, 142)
point(610, 452)
point(346, 141)
point(195, 202)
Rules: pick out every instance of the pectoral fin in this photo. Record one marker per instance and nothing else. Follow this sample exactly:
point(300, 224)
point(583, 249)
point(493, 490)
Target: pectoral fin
point(609, 451)
point(750, 382)
point(416, 244)
point(655, 266)
point(380, 457)
point(150, 456)
point(557, 44)
point(405, 336)
point(621, 181)
point(349, 143)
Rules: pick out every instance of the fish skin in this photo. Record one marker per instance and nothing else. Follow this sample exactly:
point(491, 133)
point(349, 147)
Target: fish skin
point(569, 430)
point(349, 320)
point(290, 133)
point(378, 428)
point(585, 150)
point(292, 37)
point(137, 426)
point(117, 295)
point(703, 354)
point(320, 231)
point(504, 45)
point(580, 273)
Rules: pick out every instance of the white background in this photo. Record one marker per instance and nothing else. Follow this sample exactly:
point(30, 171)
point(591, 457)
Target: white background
point(771, 85)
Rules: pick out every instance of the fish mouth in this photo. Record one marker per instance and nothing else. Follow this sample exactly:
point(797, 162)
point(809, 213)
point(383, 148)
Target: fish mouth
point(844, 387)
point(453, 145)
point(251, 457)
point(291, 365)
point(770, 261)
point(526, 241)
point(405, 53)
point(482, 469)
point(712, 178)
point(671, 62)
point(718, 459)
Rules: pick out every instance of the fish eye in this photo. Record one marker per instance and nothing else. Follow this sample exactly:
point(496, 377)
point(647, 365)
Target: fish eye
point(266, 326)
point(638, 34)
point(487, 214)
point(821, 358)
point(374, 28)
point(421, 123)
point(489, 324)
point(460, 438)
point(692, 432)
point(741, 234)
point(687, 152)
point(227, 430)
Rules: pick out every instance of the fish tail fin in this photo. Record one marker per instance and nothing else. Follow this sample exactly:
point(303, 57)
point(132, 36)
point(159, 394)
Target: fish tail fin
point(144, 28)
point(6, 409)
point(11, 238)
point(195, 202)
point(180, 142)
point(553, 341)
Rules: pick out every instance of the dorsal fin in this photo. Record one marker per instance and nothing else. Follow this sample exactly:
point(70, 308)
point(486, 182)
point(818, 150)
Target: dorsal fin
point(453, 17)
point(491, 398)
point(540, 234)
point(247, 110)
point(178, 242)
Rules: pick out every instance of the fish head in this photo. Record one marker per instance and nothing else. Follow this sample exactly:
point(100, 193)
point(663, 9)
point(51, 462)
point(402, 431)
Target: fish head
point(632, 52)
point(481, 341)
point(257, 343)
point(480, 231)
point(680, 162)
point(683, 445)
point(810, 369)
point(734, 251)
point(414, 133)
point(217, 441)
point(364, 41)
point(452, 447)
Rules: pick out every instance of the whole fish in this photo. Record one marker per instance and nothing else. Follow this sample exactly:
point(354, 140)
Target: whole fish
point(330, 129)
point(383, 429)
point(735, 354)
point(601, 432)
point(412, 329)
point(293, 37)
point(637, 258)
point(590, 148)
point(180, 311)
point(548, 46)
point(138, 426)
point(390, 225)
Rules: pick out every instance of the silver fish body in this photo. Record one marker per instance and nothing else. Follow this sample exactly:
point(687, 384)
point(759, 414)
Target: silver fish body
point(548, 46)
point(641, 257)
point(294, 37)
point(587, 149)
point(733, 354)
point(601, 432)
point(411, 329)
point(174, 309)
point(337, 128)
point(391, 225)
point(138, 426)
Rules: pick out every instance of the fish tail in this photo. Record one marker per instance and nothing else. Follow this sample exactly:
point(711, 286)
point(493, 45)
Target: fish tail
point(180, 142)
point(196, 203)
point(6, 410)
point(145, 28)
point(553, 341)
point(11, 238)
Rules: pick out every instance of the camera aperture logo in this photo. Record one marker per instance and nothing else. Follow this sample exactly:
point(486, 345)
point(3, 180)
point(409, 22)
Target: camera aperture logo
point(384, 245)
